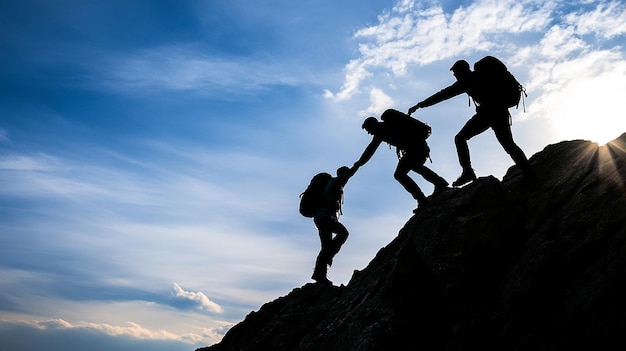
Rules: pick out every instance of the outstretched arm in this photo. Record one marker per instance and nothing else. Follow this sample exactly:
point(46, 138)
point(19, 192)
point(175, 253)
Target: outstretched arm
point(368, 152)
point(444, 94)
point(343, 179)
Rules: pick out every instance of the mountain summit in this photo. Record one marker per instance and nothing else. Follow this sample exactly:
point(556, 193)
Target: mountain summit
point(495, 265)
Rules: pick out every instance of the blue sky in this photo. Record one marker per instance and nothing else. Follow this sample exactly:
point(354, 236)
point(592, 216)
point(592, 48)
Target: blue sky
point(152, 152)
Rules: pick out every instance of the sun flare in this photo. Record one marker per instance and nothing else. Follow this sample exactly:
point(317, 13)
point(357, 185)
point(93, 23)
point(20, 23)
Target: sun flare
point(583, 99)
point(590, 110)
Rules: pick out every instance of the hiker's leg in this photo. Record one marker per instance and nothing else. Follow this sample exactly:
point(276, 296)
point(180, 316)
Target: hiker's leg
point(341, 235)
point(326, 238)
point(502, 129)
point(476, 125)
point(430, 176)
point(401, 174)
point(418, 166)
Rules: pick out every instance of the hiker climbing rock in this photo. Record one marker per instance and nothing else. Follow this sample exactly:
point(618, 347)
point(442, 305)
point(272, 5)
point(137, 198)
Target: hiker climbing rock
point(494, 90)
point(322, 201)
point(408, 135)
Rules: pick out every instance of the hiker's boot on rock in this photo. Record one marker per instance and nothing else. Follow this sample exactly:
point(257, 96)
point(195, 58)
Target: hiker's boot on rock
point(420, 205)
point(466, 177)
point(320, 278)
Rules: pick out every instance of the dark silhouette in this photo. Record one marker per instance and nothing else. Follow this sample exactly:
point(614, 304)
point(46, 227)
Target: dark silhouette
point(326, 219)
point(491, 266)
point(491, 112)
point(412, 153)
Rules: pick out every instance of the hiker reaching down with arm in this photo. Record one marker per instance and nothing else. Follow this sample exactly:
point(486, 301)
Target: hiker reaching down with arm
point(370, 150)
point(449, 92)
point(412, 151)
point(493, 93)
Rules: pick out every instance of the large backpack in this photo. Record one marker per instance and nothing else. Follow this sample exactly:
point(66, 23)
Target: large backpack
point(312, 198)
point(407, 130)
point(496, 84)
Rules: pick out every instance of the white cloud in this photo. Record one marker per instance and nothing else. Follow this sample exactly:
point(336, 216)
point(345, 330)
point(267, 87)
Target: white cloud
point(228, 220)
point(140, 320)
point(379, 101)
point(131, 329)
point(567, 55)
point(608, 20)
point(137, 331)
point(581, 96)
point(576, 77)
point(412, 35)
point(199, 298)
point(52, 324)
point(559, 43)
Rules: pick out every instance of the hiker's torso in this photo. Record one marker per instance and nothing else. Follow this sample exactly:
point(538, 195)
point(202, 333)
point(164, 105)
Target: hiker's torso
point(397, 138)
point(480, 91)
point(484, 92)
point(331, 202)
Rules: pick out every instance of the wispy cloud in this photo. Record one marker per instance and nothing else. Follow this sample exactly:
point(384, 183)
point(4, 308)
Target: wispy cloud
point(139, 320)
point(608, 19)
point(411, 34)
point(4, 136)
point(23, 162)
point(190, 218)
point(573, 48)
point(130, 329)
point(189, 68)
point(109, 198)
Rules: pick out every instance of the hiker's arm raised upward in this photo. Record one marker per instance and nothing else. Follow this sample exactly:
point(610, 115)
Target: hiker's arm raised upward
point(343, 179)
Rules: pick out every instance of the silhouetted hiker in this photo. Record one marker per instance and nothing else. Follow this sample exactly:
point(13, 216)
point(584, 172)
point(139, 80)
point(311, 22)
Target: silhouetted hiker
point(408, 135)
point(493, 93)
point(322, 200)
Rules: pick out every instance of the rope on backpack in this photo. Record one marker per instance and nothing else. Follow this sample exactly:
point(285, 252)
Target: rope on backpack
point(524, 96)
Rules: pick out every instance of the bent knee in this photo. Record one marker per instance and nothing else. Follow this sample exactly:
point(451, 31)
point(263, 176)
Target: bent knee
point(460, 139)
point(399, 175)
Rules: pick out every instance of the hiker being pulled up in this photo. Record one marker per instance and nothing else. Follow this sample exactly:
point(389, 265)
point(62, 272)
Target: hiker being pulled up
point(322, 200)
point(408, 135)
point(494, 90)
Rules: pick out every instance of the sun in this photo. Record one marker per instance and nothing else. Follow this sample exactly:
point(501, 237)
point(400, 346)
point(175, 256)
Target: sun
point(581, 98)
point(589, 109)
point(601, 128)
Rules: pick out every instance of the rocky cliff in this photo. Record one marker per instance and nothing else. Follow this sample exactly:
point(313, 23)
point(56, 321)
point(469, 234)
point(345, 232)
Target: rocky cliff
point(495, 265)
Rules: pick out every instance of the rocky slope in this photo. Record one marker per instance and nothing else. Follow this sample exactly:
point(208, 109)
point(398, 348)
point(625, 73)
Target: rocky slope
point(490, 266)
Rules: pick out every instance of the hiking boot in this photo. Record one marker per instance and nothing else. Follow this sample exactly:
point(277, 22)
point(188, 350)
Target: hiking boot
point(421, 205)
point(464, 178)
point(323, 281)
point(320, 278)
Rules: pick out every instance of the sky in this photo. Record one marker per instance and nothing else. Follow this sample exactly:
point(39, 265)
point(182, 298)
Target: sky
point(152, 153)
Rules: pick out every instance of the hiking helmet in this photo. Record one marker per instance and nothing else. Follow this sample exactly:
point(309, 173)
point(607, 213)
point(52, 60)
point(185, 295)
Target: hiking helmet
point(369, 123)
point(460, 65)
